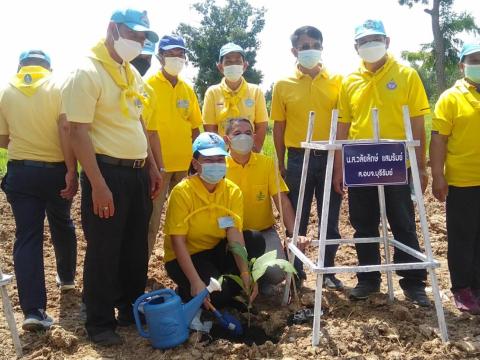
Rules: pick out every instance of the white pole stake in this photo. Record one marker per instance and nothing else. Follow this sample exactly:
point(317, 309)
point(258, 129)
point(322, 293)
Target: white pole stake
point(301, 193)
point(424, 225)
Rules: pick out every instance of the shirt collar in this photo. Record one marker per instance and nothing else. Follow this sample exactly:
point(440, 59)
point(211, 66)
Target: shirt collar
point(232, 163)
point(390, 61)
point(323, 73)
point(162, 77)
point(470, 86)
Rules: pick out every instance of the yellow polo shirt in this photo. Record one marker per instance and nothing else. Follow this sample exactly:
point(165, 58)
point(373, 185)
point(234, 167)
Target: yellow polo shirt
point(90, 96)
point(294, 97)
point(388, 89)
point(195, 212)
point(252, 106)
point(176, 113)
point(148, 113)
point(258, 183)
point(31, 122)
point(457, 115)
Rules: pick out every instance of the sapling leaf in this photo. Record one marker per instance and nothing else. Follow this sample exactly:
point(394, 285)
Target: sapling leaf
point(260, 270)
point(239, 250)
point(241, 299)
point(259, 263)
point(239, 281)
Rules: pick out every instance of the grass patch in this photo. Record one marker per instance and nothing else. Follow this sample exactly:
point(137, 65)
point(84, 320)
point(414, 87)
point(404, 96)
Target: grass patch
point(3, 162)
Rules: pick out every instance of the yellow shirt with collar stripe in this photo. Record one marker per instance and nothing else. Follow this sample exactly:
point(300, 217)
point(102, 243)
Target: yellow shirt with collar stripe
point(258, 182)
point(388, 89)
point(457, 115)
point(252, 106)
point(176, 113)
point(31, 122)
point(294, 97)
point(90, 96)
point(195, 212)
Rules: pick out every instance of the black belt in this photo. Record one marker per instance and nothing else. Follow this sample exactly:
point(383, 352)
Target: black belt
point(313, 152)
point(40, 164)
point(131, 163)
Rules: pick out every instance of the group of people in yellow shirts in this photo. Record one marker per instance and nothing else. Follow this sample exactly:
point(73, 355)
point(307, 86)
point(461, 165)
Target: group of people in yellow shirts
point(139, 142)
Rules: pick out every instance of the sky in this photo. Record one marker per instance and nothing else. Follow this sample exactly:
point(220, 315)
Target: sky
point(67, 29)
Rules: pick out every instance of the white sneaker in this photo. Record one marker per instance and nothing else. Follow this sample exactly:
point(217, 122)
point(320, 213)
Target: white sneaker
point(64, 285)
point(37, 321)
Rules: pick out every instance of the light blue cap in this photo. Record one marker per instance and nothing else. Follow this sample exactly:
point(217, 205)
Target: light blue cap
point(370, 27)
point(135, 20)
point(209, 144)
point(229, 48)
point(467, 49)
point(34, 54)
point(148, 47)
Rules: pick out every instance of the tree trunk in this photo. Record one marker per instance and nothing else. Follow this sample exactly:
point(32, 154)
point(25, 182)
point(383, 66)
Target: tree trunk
point(439, 45)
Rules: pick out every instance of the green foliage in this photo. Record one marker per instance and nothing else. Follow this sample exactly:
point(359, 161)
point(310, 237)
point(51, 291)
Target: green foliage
point(451, 25)
point(237, 21)
point(3, 162)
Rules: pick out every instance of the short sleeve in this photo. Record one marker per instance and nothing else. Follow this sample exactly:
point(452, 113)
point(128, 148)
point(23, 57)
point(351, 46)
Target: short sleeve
point(208, 110)
point(3, 120)
point(278, 110)
point(417, 97)
point(177, 210)
point(344, 112)
point(442, 120)
point(149, 112)
point(196, 115)
point(261, 114)
point(79, 97)
point(275, 180)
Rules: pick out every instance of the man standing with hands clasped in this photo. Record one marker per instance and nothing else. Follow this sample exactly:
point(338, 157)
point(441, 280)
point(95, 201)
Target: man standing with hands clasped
point(103, 102)
point(382, 83)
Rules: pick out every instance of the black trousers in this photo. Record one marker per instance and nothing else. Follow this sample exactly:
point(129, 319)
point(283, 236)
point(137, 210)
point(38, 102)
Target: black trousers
point(115, 270)
point(214, 263)
point(463, 232)
point(364, 211)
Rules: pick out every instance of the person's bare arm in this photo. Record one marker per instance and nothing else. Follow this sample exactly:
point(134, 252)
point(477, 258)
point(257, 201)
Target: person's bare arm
point(438, 152)
point(211, 128)
point(4, 140)
point(156, 179)
point(179, 246)
point(337, 181)
point(418, 132)
point(102, 197)
point(195, 133)
point(279, 142)
point(259, 137)
point(71, 177)
point(156, 147)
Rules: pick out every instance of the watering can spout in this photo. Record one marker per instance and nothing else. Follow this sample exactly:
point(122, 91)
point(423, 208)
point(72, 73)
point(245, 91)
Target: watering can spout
point(191, 308)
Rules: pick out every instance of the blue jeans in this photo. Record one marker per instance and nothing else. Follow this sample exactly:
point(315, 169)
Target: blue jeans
point(364, 211)
point(33, 191)
point(314, 186)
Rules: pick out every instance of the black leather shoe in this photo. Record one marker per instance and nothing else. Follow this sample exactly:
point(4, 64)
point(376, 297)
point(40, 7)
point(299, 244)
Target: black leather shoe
point(363, 290)
point(330, 282)
point(107, 338)
point(417, 295)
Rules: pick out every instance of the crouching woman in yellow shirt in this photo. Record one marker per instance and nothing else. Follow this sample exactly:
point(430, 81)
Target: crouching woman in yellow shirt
point(204, 215)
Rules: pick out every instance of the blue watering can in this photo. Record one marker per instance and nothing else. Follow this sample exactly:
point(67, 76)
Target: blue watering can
point(167, 318)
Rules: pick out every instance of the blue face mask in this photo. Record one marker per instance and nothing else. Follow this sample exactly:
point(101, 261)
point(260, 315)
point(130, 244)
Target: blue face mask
point(472, 73)
point(212, 173)
point(309, 58)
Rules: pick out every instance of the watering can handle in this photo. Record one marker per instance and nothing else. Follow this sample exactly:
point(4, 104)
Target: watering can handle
point(136, 315)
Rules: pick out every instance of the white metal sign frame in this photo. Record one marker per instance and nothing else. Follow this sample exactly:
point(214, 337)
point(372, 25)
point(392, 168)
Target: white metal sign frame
point(425, 261)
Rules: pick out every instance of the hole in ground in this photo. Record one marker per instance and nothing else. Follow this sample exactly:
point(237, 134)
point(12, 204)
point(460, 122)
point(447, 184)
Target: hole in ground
point(251, 335)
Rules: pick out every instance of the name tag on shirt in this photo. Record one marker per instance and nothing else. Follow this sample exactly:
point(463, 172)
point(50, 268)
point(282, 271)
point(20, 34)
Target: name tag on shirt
point(249, 102)
point(182, 104)
point(225, 222)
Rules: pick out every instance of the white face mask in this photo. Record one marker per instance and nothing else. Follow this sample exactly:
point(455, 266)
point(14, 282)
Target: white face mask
point(309, 58)
point(242, 144)
point(125, 48)
point(173, 65)
point(372, 51)
point(233, 72)
point(472, 72)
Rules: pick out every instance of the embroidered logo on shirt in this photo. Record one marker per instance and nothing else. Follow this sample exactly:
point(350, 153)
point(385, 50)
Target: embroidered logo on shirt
point(27, 79)
point(249, 102)
point(391, 85)
point(260, 196)
point(182, 104)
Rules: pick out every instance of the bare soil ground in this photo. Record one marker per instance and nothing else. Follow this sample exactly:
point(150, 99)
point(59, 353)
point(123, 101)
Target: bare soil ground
point(373, 329)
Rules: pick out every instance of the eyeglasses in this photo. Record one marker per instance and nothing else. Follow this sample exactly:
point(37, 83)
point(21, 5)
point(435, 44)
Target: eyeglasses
point(306, 46)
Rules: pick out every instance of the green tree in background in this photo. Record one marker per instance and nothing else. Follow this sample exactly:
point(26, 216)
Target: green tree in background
point(437, 61)
point(237, 22)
